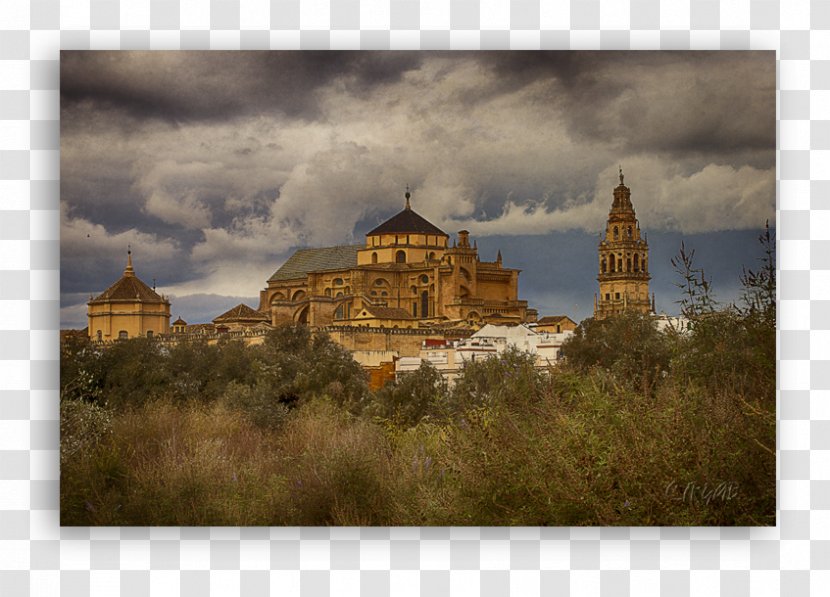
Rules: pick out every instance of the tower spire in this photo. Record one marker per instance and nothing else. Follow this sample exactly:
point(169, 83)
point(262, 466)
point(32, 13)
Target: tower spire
point(129, 271)
point(407, 195)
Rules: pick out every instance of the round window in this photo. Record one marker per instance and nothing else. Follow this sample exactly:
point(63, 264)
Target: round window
point(424, 279)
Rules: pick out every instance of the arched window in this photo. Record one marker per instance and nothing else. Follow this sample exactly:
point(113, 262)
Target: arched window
point(99, 335)
point(628, 264)
point(338, 313)
point(616, 233)
point(636, 262)
point(374, 257)
point(432, 254)
point(629, 232)
point(149, 333)
point(603, 266)
point(400, 257)
point(424, 304)
point(328, 291)
point(611, 261)
point(122, 335)
point(619, 263)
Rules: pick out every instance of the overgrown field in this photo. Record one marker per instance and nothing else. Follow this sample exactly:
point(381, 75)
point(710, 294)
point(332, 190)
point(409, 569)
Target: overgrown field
point(636, 428)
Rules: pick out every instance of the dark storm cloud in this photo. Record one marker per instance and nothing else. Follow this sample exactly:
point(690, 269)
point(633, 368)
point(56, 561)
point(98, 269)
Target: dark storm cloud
point(192, 86)
point(701, 102)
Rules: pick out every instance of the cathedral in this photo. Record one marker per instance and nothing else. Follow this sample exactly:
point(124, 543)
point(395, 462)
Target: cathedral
point(406, 275)
point(406, 278)
point(623, 261)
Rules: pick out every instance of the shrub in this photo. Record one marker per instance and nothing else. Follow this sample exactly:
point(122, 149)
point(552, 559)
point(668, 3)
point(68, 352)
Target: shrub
point(627, 344)
point(418, 395)
point(510, 378)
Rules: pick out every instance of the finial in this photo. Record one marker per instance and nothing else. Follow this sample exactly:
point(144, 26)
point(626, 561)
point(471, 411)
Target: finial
point(128, 271)
point(621, 175)
point(407, 195)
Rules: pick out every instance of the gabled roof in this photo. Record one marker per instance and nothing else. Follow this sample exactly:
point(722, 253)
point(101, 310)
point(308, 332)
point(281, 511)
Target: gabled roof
point(241, 312)
point(179, 321)
point(386, 312)
point(407, 222)
point(129, 287)
point(304, 261)
point(553, 319)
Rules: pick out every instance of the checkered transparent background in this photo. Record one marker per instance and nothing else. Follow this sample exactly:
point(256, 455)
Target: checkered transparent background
point(38, 557)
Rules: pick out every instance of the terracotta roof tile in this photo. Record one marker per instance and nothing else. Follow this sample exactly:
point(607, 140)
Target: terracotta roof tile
point(407, 221)
point(241, 312)
point(129, 288)
point(304, 261)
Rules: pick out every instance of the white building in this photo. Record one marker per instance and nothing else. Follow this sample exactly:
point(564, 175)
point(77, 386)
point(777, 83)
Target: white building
point(676, 323)
point(491, 340)
point(495, 339)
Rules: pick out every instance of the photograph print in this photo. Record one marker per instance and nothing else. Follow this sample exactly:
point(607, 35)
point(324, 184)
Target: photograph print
point(418, 288)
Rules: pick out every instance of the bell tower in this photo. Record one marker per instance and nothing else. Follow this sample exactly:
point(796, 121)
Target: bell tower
point(623, 261)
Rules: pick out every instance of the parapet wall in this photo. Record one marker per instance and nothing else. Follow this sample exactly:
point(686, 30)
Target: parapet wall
point(406, 342)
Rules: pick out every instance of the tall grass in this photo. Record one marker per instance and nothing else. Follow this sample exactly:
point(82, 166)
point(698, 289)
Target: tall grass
point(590, 450)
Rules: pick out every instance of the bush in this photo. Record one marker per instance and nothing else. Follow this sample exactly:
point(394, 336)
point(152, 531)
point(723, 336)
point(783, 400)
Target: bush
point(628, 344)
point(296, 364)
point(510, 378)
point(418, 395)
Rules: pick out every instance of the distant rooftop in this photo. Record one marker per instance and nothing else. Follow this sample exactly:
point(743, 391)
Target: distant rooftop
point(311, 260)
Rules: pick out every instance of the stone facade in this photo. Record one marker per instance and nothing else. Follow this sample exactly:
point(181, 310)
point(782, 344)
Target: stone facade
point(127, 309)
point(407, 267)
point(623, 261)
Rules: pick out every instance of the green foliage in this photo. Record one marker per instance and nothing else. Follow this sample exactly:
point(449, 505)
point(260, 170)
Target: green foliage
point(258, 402)
point(733, 348)
point(628, 344)
point(510, 379)
point(697, 295)
point(82, 370)
point(296, 364)
point(418, 395)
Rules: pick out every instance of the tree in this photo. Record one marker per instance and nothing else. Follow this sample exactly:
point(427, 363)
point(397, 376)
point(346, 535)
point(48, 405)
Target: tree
point(415, 396)
point(295, 364)
point(759, 286)
point(698, 298)
point(509, 379)
point(629, 345)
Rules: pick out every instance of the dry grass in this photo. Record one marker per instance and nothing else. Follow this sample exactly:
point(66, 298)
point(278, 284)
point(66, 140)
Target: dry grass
point(589, 451)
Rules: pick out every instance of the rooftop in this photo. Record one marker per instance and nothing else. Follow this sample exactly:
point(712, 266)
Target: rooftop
point(311, 260)
point(242, 312)
point(407, 222)
point(129, 287)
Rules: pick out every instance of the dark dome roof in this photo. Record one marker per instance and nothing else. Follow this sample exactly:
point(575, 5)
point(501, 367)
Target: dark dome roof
point(129, 287)
point(407, 222)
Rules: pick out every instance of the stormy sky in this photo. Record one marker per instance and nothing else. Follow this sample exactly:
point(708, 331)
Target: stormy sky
point(215, 166)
